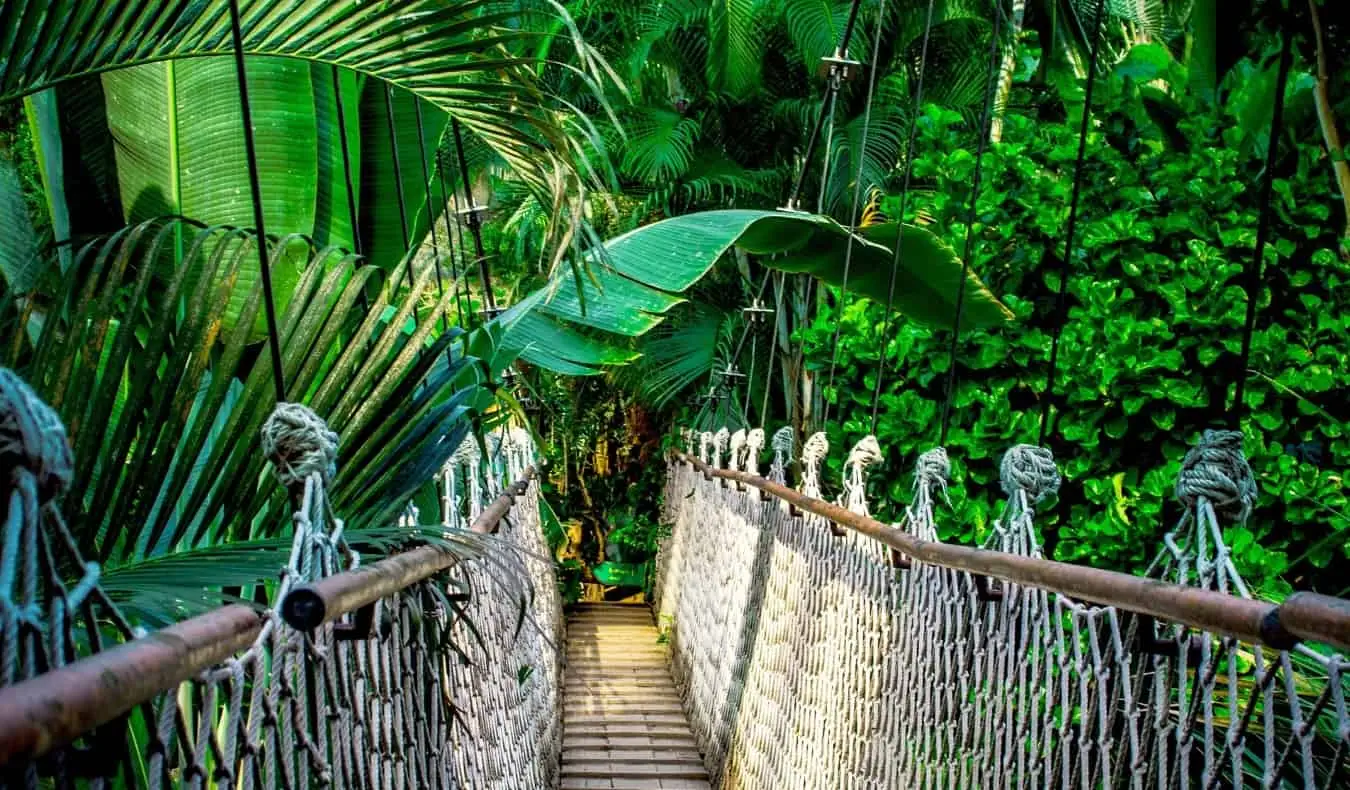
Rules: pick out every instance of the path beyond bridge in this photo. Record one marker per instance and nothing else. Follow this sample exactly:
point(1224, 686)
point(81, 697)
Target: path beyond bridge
point(623, 726)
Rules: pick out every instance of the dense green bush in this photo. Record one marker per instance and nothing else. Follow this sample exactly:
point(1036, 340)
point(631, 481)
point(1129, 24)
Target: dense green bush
point(1156, 310)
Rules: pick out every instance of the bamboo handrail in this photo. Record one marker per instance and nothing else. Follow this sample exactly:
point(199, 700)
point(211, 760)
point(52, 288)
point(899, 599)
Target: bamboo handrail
point(1302, 616)
point(56, 707)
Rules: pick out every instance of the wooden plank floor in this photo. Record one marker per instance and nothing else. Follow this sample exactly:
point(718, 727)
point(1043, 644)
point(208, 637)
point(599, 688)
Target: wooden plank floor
point(623, 726)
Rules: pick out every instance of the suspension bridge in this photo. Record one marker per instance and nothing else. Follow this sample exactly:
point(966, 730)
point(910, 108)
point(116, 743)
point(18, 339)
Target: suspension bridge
point(794, 641)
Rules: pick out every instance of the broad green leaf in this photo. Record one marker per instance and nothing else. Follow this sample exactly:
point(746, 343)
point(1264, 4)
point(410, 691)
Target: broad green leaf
point(382, 226)
point(643, 269)
point(460, 56)
point(181, 151)
point(20, 263)
point(332, 212)
point(43, 114)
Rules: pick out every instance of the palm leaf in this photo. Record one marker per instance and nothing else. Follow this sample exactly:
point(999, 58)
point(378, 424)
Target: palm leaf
point(458, 56)
point(163, 411)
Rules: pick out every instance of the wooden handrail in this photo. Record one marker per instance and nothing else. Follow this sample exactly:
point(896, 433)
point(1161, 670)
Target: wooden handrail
point(56, 707)
point(1303, 616)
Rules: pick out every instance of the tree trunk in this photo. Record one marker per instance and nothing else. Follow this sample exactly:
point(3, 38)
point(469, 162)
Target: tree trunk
point(1327, 117)
point(1005, 72)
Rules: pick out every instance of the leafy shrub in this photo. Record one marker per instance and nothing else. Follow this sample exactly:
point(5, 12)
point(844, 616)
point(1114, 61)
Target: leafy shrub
point(1168, 222)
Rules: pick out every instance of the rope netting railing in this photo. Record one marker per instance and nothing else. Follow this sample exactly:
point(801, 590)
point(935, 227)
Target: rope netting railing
point(435, 667)
point(812, 655)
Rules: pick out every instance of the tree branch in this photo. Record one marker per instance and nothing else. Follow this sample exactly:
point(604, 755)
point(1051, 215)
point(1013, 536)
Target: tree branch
point(1327, 117)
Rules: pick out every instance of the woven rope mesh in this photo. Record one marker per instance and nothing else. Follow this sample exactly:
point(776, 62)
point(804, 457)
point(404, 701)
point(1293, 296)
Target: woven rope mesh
point(809, 661)
point(458, 696)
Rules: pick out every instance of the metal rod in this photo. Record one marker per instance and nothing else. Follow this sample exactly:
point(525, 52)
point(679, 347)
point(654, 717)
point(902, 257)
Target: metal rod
point(348, 179)
point(1303, 616)
point(56, 707)
point(475, 224)
point(308, 606)
point(1252, 277)
point(255, 190)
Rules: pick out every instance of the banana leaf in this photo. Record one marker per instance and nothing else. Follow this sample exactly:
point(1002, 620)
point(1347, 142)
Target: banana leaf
point(638, 278)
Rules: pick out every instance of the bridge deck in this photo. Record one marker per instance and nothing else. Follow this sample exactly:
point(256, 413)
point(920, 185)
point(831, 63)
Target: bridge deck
point(623, 726)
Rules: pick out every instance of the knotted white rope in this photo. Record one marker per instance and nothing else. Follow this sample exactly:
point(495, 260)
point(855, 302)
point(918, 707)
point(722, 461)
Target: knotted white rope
point(705, 443)
point(865, 675)
point(299, 444)
point(737, 446)
point(784, 444)
point(32, 438)
point(754, 445)
point(813, 454)
point(1216, 470)
point(863, 455)
point(719, 446)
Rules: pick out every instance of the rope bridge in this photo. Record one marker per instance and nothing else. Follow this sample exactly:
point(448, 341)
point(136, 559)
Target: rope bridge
point(416, 671)
point(818, 648)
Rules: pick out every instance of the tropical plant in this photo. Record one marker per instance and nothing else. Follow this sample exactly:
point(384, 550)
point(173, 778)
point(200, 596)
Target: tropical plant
point(1154, 324)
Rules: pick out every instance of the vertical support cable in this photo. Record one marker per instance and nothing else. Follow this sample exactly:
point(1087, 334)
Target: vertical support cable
point(347, 163)
point(475, 225)
point(255, 188)
point(431, 218)
point(986, 119)
point(826, 106)
point(853, 218)
point(1255, 270)
point(1061, 298)
point(900, 217)
point(455, 240)
point(398, 186)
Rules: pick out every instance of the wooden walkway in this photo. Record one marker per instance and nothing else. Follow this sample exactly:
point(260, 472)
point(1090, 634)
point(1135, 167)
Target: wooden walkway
point(623, 726)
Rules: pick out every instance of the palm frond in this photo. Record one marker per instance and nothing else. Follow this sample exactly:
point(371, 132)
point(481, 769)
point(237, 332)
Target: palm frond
point(162, 410)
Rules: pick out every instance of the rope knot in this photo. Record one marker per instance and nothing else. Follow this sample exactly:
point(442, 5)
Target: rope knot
point(299, 443)
point(816, 448)
point(719, 445)
point(933, 470)
point(467, 452)
point(737, 445)
point(784, 442)
point(754, 444)
point(1031, 470)
point(1217, 470)
point(865, 453)
point(33, 438)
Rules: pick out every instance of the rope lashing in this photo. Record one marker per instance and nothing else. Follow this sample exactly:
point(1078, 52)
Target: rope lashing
point(33, 438)
point(719, 446)
point(932, 474)
point(813, 453)
point(863, 455)
point(1031, 470)
point(299, 443)
point(754, 445)
point(1216, 470)
point(737, 448)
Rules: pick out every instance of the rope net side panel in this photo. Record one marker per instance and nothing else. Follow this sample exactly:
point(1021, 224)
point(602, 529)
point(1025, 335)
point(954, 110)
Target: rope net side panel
point(448, 690)
point(808, 658)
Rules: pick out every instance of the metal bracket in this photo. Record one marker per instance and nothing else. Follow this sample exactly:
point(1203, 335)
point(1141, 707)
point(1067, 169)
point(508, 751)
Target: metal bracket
point(837, 66)
point(756, 312)
point(986, 590)
point(473, 214)
point(360, 628)
point(1146, 636)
